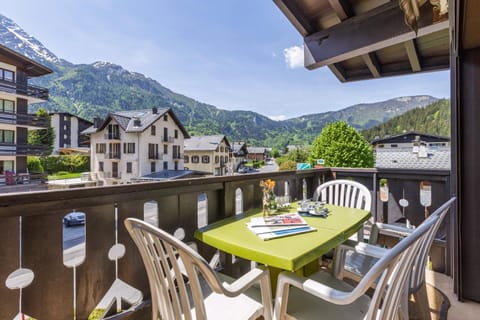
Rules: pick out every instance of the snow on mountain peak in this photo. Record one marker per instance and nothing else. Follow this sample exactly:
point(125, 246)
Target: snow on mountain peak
point(15, 38)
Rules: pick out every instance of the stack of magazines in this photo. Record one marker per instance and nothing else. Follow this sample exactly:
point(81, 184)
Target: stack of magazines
point(282, 225)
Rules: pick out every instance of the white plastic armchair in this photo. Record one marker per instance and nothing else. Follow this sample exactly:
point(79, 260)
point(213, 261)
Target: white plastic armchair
point(322, 296)
point(345, 193)
point(355, 264)
point(202, 294)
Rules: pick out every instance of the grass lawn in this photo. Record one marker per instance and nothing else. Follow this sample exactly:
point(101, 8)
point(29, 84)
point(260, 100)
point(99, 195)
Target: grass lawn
point(64, 176)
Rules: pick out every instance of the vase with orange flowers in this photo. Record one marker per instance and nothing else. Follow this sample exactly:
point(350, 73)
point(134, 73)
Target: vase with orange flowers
point(269, 202)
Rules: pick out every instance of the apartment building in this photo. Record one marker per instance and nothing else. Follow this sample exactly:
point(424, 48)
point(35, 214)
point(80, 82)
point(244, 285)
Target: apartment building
point(68, 132)
point(209, 154)
point(16, 94)
point(133, 144)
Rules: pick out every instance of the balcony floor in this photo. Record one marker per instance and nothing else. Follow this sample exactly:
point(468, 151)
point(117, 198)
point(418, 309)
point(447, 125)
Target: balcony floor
point(458, 310)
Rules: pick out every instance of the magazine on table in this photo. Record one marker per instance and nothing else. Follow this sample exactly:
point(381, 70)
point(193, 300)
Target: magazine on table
point(279, 226)
point(281, 220)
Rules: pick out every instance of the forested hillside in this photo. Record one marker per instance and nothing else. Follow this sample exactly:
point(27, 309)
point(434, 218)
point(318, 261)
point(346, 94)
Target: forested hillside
point(432, 119)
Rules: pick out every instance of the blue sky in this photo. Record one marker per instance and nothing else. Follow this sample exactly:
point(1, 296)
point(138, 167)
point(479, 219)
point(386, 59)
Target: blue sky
point(234, 54)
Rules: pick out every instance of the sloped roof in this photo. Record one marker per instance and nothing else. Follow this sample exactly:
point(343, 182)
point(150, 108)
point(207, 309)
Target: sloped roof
point(404, 158)
point(256, 149)
point(145, 117)
point(204, 143)
point(411, 134)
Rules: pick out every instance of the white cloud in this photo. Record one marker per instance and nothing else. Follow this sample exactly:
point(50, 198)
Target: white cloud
point(294, 57)
point(280, 117)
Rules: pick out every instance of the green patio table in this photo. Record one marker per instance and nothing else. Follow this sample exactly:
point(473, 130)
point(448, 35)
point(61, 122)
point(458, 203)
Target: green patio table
point(292, 252)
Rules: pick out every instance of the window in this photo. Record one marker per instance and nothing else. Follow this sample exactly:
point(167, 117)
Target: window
point(222, 149)
point(165, 165)
point(128, 147)
point(129, 167)
point(7, 75)
point(185, 159)
point(165, 134)
point(114, 150)
point(226, 159)
point(7, 136)
point(6, 165)
point(152, 167)
point(113, 131)
point(205, 159)
point(7, 106)
point(175, 166)
point(394, 145)
point(176, 134)
point(195, 159)
point(217, 159)
point(100, 148)
point(165, 117)
point(153, 130)
point(100, 166)
point(165, 149)
point(152, 151)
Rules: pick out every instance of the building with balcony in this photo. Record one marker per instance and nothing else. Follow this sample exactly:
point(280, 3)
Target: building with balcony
point(68, 132)
point(207, 154)
point(15, 122)
point(410, 140)
point(133, 144)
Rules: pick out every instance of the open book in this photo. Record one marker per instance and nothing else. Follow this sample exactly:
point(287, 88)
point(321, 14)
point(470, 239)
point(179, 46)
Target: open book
point(279, 226)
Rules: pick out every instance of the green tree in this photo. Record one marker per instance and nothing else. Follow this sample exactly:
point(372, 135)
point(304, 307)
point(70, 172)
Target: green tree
point(43, 136)
point(340, 145)
point(275, 153)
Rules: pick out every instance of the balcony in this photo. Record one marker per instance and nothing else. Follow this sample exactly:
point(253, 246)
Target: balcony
point(112, 136)
point(167, 139)
point(40, 217)
point(24, 89)
point(113, 155)
point(177, 156)
point(23, 149)
point(32, 120)
point(155, 156)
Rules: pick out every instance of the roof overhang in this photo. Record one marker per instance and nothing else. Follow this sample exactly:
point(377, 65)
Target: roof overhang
point(32, 68)
point(366, 39)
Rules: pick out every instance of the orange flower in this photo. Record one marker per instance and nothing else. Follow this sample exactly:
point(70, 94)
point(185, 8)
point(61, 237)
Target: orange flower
point(267, 185)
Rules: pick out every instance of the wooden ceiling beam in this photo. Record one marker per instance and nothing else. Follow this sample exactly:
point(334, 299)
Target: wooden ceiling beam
point(412, 55)
point(342, 8)
point(338, 71)
point(371, 61)
point(296, 17)
point(381, 27)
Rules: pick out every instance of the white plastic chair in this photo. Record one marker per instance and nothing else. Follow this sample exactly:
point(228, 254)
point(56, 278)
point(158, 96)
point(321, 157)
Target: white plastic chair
point(200, 295)
point(322, 296)
point(345, 193)
point(355, 265)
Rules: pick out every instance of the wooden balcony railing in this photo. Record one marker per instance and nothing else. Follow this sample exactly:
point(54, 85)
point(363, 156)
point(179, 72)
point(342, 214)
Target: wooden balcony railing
point(24, 89)
point(31, 231)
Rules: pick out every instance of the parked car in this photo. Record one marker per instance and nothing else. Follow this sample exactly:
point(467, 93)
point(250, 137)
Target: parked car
point(243, 170)
point(74, 219)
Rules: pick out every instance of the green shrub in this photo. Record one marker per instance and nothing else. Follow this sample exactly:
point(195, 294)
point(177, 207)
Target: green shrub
point(288, 165)
point(34, 165)
point(68, 163)
point(62, 173)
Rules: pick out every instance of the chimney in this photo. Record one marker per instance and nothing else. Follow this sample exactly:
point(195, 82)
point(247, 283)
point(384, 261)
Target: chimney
point(155, 110)
point(97, 122)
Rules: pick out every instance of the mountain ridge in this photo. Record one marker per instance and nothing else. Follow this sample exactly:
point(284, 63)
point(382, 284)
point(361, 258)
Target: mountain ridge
point(95, 89)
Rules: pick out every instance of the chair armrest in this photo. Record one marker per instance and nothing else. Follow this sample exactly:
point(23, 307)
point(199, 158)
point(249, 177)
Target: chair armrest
point(246, 281)
point(286, 279)
point(360, 248)
point(393, 230)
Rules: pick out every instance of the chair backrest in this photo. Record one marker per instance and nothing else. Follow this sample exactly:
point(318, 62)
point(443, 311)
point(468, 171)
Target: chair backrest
point(418, 271)
point(166, 259)
point(346, 193)
point(393, 271)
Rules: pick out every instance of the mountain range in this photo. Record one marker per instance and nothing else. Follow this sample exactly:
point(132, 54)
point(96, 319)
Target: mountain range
point(95, 89)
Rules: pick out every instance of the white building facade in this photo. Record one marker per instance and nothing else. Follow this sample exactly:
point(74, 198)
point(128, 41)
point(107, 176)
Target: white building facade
point(133, 144)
